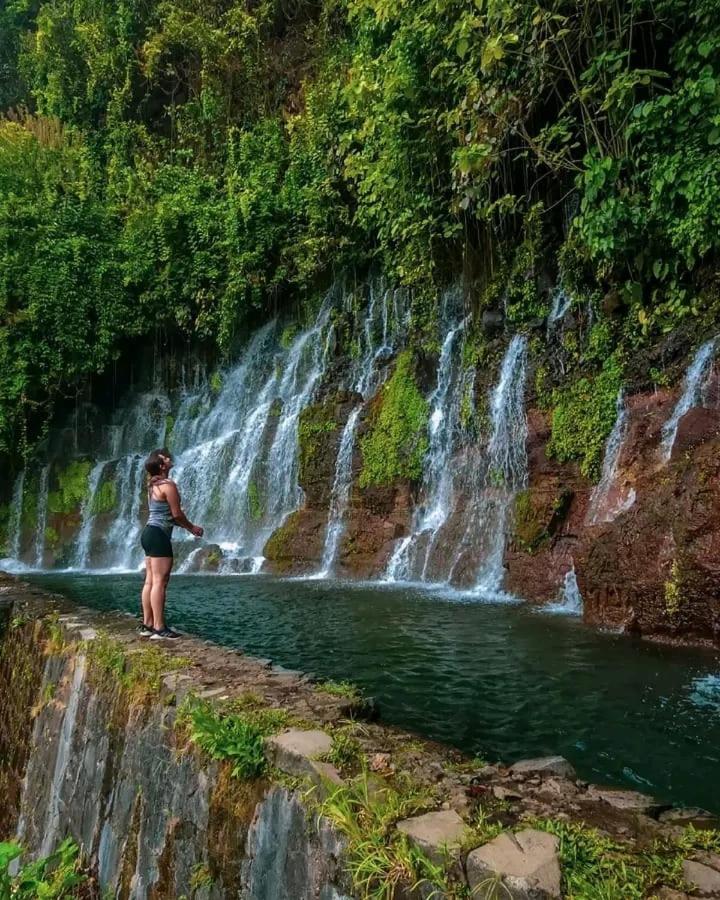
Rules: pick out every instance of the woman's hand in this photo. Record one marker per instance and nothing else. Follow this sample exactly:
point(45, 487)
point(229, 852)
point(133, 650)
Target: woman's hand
point(197, 531)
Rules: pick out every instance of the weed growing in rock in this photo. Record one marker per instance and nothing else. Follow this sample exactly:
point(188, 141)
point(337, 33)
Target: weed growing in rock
point(380, 858)
point(234, 732)
point(56, 876)
point(346, 753)
point(139, 672)
point(595, 867)
point(345, 689)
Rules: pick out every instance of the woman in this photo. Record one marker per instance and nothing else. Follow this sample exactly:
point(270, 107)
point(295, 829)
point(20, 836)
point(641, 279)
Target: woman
point(164, 512)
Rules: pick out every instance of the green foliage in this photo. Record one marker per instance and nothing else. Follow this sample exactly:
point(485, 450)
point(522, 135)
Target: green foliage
point(380, 858)
point(673, 590)
point(595, 867)
point(256, 507)
point(397, 442)
point(191, 167)
point(105, 499)
point(315, 423)
point(583, 417)
point(56, 877)
point(72, 488)
point(346, 752)
point(236, 736)
point(138, 673)
point(345, 689)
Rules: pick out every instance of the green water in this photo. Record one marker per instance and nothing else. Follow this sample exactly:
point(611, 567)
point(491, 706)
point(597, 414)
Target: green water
point(500, 681)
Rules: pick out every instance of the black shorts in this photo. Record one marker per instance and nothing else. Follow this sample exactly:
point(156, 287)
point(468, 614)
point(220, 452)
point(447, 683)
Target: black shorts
point(156, 542)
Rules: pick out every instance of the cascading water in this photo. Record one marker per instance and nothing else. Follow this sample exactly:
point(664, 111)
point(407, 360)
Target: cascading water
point(608, 499)
point(15, 523)
point(569, 601)
point(340, 494)
point(87, 516)
point(410, 558)
point(561, 303)
point(382, 331)
point(506, 472)
point(42, 501)
point(693, 386)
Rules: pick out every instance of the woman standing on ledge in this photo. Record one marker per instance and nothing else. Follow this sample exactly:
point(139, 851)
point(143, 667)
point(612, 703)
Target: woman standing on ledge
point(164, 511)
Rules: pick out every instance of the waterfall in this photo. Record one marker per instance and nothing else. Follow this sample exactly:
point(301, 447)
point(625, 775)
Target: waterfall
point(561, 303)
point(15, 522)
point(506, 471)
point(411, 556)
point(608, 501)
point(340, 494)
point(42, 500)
point(87, 517)
point(569, 601)
point(695, 380)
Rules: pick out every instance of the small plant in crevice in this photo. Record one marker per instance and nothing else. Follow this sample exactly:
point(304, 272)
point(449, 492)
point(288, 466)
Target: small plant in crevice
point(55, 877)
point(232, 732)
point(380, 858)
point(346, 752)
point(138, 672)
point(345, 689)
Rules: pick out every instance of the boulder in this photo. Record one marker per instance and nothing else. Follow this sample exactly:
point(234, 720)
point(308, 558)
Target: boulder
point(704, 878)
point(545, 765)
point(690, 815)
point(525, 863)
point(628, 801)
point(493, 322)
point(436, 833)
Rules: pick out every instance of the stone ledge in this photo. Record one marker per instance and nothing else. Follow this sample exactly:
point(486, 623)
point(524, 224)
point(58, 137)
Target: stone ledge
point(437, 834)
point(525, 863)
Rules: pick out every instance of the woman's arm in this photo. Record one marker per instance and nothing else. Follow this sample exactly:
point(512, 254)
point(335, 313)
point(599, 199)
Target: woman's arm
point(172, 495)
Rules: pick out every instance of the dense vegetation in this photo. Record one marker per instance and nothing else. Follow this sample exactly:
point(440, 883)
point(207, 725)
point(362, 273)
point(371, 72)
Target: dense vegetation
point(184, 166)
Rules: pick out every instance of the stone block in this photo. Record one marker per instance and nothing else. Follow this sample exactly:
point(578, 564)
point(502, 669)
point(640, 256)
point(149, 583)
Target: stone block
point(293, 751)
point(525, 863)
point(435, 833)
point(704, 878)
point(544, 765)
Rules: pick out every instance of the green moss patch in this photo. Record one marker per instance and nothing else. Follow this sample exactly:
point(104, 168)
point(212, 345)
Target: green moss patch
point(105, 499)
point(397, 442)
point(72, 488)
point(583, 416)
point(316, 422)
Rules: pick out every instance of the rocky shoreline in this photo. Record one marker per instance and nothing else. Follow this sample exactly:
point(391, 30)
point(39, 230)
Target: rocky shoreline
point(478, 824)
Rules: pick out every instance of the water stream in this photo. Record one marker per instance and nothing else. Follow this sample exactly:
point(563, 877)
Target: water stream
point(692, 395)
point(609, 499)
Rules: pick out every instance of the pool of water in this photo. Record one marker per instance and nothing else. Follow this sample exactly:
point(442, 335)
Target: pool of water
point(502, 681)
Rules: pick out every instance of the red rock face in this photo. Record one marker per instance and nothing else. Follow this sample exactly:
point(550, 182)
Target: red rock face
point(648, 561)
point(652, 568)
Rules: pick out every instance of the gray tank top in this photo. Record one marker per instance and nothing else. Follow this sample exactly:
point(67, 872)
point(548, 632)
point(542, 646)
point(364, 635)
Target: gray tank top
point(159, 513)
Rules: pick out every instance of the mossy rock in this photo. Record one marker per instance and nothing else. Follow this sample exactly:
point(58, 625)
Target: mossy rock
point(538, 516)
point(105, 499)
point(72, 488)
point(317, 422)
point(279, 545)
point(396, 444)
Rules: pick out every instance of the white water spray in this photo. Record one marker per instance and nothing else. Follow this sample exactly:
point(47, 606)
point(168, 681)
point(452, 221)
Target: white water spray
point(693, 386)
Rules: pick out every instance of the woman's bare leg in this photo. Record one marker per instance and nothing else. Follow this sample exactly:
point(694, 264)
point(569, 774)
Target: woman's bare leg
point(161, 567)
point(147, 587)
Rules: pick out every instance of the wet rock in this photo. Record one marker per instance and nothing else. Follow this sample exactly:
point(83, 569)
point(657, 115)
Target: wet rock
point(696, 427)
point(435, 833)
point(704, 878)
point(527, 864)
point(493, 322)
point(546, 765)
point(630, 801)
point(503, 793)
point(486, 772)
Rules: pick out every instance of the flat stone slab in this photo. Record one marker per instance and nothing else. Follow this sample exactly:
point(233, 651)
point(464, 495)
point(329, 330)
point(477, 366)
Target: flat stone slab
point(629, 801)
point(526, 862)
point(298, 753)
point(435, 833)
point(544, 765)
point(704, 878)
